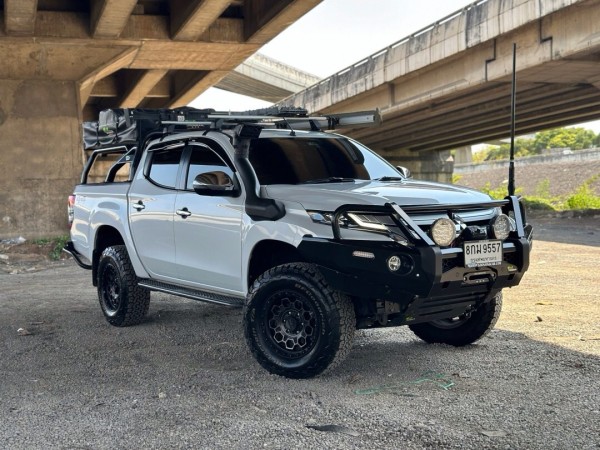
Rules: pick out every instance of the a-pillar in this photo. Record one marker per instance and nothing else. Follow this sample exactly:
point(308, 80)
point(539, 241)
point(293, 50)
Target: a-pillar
point(40, 156)
point(424, 165)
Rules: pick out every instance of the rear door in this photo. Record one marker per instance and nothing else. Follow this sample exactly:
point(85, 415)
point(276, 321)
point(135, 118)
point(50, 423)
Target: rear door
point(208, 229)
point(151, 210)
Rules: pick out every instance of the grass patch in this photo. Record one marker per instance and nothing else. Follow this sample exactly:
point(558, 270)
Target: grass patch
point(56, 245)
point(583, 197)
point(59, 243)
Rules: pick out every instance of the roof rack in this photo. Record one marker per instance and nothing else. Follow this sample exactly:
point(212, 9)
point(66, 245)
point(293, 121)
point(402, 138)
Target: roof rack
point(122, 126)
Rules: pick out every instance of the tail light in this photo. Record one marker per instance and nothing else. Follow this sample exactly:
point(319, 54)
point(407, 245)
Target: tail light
point(71, 209)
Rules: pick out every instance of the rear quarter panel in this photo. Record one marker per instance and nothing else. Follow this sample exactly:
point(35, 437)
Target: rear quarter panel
point(98, 205)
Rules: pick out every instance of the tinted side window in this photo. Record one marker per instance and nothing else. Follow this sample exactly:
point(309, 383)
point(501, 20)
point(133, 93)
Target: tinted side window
point(202, 160)
point(164, 167)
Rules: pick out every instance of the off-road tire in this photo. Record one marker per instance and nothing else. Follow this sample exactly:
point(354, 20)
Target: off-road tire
point(295, 324)
point(461, 331)
point(123, 302)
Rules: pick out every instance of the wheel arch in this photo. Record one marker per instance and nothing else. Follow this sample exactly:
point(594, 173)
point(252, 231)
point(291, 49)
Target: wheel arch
point(269, 253)
point(106, 236)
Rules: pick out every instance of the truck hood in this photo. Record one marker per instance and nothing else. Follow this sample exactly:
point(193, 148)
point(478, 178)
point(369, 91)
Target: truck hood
point(328, 197)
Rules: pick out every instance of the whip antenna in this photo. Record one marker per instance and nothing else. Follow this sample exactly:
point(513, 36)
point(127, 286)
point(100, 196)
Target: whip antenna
point(511, 164)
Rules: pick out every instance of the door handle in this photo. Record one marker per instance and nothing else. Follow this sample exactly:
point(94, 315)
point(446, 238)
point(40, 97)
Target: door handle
point(139, 205)
point(183, 213)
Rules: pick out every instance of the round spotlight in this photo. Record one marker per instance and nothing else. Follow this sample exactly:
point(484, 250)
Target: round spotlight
point(501, 226)
point(394, 263)
point(400, 264)
point(443, 232)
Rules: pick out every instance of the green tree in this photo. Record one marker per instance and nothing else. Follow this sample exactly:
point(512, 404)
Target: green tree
point(523, 147)
point(573, 138)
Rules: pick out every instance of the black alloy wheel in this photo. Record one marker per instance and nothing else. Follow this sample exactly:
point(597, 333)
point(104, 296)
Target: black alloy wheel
point(295, 324)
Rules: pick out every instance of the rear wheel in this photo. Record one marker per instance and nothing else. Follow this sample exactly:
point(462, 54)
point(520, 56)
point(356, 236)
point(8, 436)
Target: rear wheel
point(295, 324)
point(463, 330)
point(123, 302)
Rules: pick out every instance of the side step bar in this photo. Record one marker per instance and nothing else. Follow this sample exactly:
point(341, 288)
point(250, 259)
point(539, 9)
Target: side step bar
point(70, 249)
point(193, 294)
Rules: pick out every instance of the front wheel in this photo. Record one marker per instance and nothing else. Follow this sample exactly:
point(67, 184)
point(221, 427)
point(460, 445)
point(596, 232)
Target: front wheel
point(463, 330)
point(123, 302)
point(295, 324)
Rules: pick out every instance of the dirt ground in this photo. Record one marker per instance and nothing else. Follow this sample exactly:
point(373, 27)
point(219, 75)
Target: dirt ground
point(184, 378)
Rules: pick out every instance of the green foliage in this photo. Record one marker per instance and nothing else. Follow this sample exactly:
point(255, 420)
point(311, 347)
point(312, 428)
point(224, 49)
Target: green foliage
point(539, 204)
point(573, 138)
point(479, 156)
point(41, 241)
point(583, 197)
point(456, 178)
point(59, 243)
point(56, 245)
point(500, 192)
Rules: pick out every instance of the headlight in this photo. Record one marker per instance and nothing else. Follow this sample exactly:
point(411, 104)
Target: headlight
point(501, 226)
point(443, 232)
point(367, 222)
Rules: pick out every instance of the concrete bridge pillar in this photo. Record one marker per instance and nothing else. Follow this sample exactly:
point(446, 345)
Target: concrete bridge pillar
point(424, 165)
point(40, 155)
point(463, 155)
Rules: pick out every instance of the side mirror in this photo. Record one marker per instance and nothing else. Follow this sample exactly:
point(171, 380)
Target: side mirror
point(215, 183)
point(405, 172)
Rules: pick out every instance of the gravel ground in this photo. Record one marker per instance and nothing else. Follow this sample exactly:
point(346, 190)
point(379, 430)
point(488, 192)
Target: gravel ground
point(184, 378)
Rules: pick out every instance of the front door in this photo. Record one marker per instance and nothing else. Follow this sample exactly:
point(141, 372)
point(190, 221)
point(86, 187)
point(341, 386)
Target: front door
point(208, 229)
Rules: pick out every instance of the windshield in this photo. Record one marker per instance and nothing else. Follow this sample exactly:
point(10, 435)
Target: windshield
point(294, 160)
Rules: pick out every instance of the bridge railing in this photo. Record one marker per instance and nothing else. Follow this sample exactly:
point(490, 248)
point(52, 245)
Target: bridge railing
point(404, 40)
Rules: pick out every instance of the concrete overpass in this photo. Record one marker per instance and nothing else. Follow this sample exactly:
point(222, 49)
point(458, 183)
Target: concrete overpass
point(267, 79)
point(448, 85)
point(63, 60)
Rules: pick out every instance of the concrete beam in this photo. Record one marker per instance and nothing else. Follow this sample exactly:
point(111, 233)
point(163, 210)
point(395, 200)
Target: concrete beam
point(19, 17)
point(109, 17)
point(188, 86)
point(190, 19)
point(141, 88)
point(121, 61)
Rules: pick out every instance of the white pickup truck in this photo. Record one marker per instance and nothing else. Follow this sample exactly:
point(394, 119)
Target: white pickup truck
point(313, 234)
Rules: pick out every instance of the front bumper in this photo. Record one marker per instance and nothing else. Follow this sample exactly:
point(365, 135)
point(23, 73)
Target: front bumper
point(434, 284)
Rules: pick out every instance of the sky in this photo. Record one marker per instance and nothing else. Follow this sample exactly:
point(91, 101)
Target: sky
point(338, 33)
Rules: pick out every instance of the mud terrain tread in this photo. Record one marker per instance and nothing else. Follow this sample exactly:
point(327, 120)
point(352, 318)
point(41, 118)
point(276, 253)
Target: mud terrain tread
point(340, 319)
point(137, 299)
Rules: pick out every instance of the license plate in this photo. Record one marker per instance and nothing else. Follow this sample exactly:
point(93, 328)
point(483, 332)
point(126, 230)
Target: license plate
point(483, 253)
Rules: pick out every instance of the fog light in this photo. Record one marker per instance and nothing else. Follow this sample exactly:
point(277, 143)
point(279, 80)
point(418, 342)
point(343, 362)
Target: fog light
point(501, 226)
point(401, 265)
point(443, 232)
point(394, 263)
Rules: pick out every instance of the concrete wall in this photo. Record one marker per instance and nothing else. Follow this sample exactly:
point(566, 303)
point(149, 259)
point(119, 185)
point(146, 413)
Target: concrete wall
point(576, 156)
point(40, 156)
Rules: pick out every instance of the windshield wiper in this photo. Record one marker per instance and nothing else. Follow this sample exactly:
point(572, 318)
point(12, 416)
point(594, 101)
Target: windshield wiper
point(387, 178)
point(328, 180)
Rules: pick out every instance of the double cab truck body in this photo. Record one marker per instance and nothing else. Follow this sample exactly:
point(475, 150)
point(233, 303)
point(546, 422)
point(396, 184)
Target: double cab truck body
point(313, 234)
